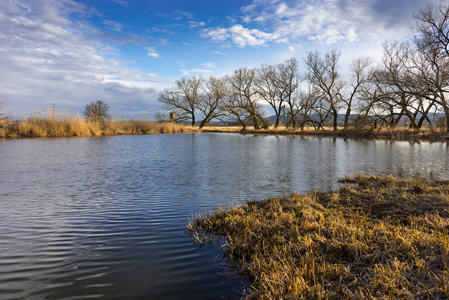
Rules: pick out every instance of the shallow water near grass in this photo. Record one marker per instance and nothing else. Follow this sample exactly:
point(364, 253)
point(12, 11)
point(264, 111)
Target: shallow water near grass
point(103, 218)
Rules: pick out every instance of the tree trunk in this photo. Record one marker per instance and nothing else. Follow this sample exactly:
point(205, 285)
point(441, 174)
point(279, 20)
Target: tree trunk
point(255, 122)
point(276, 124)
point(446, 110)
point(203, 123)
point(348, 113)
point(335, 113)
point(193, 120)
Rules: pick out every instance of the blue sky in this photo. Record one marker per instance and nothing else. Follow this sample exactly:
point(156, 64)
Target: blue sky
point(125, 52)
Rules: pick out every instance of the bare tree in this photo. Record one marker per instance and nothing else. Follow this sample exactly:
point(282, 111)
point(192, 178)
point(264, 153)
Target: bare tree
point(210, 102)
point(267, 88)
point(359, 77)
point(244, 94)
point(183, 98)
point(233, 108)
point(97, 111)
point(323, 73)
point(287, 85)
point(307, 110)
point(432, 28)
point(432, 42)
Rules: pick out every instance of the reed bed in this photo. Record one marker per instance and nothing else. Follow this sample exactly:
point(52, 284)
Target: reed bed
point(373, 238)
point(63, 124)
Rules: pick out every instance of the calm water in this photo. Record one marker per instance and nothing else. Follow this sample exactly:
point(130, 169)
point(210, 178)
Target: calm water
point(103, 218)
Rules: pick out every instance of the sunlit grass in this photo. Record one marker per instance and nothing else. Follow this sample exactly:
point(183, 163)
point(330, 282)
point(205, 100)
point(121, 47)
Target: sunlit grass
point(48, 123)
point(374, 238)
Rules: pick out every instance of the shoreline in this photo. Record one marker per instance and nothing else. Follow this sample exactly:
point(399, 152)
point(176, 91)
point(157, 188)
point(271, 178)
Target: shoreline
point(374, 237)
point(400, 134)
point(71, 127)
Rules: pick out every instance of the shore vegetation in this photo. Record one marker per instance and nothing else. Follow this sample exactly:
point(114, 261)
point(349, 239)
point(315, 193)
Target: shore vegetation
point(49, 123)
point(373, 238)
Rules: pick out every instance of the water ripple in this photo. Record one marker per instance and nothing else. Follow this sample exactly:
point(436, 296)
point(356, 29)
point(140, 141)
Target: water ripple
point(103, 218)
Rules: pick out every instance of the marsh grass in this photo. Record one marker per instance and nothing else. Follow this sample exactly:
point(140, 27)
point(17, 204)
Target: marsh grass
point(48, 123)
point(374, 238)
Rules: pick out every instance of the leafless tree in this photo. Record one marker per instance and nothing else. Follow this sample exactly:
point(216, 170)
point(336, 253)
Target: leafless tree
point(432, 28)
point(267, 88)
point(359, 77)
point(307, 110)
point(243, 94)
point(432, 43)
point(233, 108)
point(287, 86)
point(97, 111)
point(323, 73)
point(183, 98)
point(211, 101)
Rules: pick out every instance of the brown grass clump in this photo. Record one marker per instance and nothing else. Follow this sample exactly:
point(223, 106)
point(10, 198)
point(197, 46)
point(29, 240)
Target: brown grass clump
point(374, 238)
point(48, 123)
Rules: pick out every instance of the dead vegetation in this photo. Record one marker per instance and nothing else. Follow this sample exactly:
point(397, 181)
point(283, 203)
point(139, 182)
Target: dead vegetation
point(374, 238)
point(46, 123)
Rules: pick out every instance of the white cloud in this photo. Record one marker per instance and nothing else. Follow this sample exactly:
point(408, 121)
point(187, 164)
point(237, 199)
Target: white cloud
point(193, 24)
point(241, 36)
point(195, 72)
point(187, 44)
point(47, 58)
point(209, 65)
point(319, 21)
point(163, 42)
point(151, 52)
point(123, 3)
point(218, 53)
point(113, 25)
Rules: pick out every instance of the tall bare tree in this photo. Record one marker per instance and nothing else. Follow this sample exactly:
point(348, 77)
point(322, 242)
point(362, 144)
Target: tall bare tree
point(432, 42)
point(267, 87)
point(287, 85)
point(244, 94)
point(359, 77)
point(432, 28)
point(322, 71)
point(183, 98)
point(211, 101)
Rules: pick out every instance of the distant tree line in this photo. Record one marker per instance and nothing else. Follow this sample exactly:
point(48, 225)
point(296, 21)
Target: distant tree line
point(411, 83)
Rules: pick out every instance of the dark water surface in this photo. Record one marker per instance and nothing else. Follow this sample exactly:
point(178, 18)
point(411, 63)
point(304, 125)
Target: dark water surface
point(103, 218)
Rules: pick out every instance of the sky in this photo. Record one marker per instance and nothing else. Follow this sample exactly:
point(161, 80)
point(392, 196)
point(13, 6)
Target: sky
point(67, 53)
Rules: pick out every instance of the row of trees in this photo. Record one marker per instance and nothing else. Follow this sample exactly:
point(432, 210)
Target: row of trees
point(410, 84)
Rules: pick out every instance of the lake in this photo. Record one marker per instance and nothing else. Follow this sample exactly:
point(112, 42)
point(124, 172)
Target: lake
point(104, 217)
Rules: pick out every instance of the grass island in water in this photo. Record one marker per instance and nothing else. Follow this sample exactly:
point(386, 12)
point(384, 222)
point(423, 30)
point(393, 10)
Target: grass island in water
point(373, 238)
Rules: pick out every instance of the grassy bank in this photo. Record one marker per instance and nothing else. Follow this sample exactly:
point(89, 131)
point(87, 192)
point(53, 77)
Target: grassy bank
point(374, 238)
point(49, 124)
point(401, 134)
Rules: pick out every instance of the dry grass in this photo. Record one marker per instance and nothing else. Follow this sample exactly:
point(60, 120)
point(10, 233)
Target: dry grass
point(62, 124)
point(374, 238)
